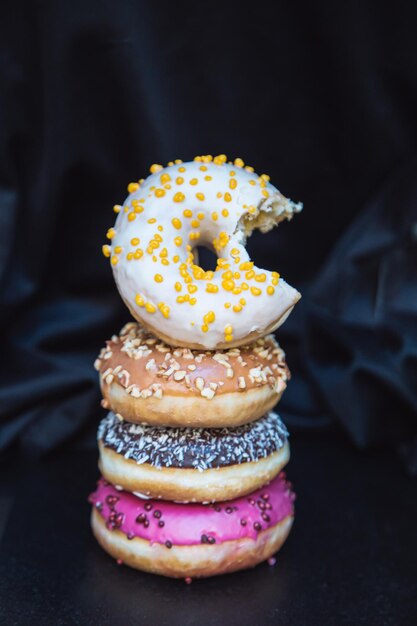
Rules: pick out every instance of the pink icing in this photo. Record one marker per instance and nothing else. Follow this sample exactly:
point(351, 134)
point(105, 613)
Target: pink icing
point(186, 524)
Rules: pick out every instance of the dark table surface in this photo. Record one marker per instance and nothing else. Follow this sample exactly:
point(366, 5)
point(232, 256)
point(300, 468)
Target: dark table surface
point(350, 559)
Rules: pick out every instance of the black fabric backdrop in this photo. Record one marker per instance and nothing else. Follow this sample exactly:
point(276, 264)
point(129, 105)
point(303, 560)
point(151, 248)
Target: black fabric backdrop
point(322, 98)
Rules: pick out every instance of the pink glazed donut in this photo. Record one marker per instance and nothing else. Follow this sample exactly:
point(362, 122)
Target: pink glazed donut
point(192, 540)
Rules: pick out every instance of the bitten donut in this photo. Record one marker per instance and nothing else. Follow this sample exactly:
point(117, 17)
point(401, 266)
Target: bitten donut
point(147, 381)
point(206, 202)
point(192, 540)
point(192, 465)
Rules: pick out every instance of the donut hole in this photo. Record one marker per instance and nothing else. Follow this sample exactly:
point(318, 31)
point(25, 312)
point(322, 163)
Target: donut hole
point(205, 257)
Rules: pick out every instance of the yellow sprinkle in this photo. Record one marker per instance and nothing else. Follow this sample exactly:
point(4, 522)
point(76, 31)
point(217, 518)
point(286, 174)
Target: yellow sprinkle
point(194, 181)
point(178, 286)
point(200, 196)
point(211, 288)
point(204, 328)
point(135, 241)
point(237, 308)
point(227, 305)
point(175, 258)
point(248, 168)
point(163, 253)
point(160, 228)
point(239, 163)
point(180, 299)
point(157, 237)
point(233, 183)
point(151, 308)
point(245, 286)
point(195, 223)
point(242, 301)
point(214, 216)
point(179, 180)
point(270, 290)
point(131, 217)
point(228, 337)
point(237, 290)
point(181, 169)
point(219, 194)
point(192, 288)
point(265, 177)
point(252, 182)
point(159, 193)
point(165, 178)
point(194, 235)
point(208, 178)
point(170, 163)
point(249, 275)
point(177, 161)
point(260, 278)
point(118, 250)
point(275, 275)
point(114, 260)
point(228, 330)
point(203, 168)
point(265, 193)
point(232, 173)
point(130, 256)
point(200, 215)
point(236, 275)
point(228, 285)
point(209, 317)
point(140, 301)
point(155, 168)
point(179, 197)
point(247, 265)
point(138, 254)
point(152, 220)
point(256, 291)
point(132, 187)
point(187, 213)
point(178, 241)
point(193, 301)
point(225, 212)
point(176, 223)
point(158, 278)
point(106, 250)
point(117, 208)
point(227, 197)
point(227, 275)
point(138, 209)
point(110, 233)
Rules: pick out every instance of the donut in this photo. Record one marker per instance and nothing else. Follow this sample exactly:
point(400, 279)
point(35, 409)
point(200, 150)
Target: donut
point(153, 252)
point(147, 381)
point(192, 540)
point(189, 464)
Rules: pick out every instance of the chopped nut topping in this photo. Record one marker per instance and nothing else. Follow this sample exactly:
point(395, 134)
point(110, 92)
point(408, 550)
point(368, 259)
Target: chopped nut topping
point(207, 393)
point(179, 375)
point(199, 383)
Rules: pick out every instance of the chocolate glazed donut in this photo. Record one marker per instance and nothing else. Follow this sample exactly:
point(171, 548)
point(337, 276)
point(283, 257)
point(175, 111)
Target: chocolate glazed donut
point(192, 465)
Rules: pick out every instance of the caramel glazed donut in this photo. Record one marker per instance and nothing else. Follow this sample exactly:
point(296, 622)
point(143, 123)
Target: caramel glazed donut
point(192, 540)
point(192, 465)
point(147, 381)
point(206, 202)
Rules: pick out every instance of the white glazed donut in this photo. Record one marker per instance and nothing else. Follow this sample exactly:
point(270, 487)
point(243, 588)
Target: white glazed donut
point(206, 202)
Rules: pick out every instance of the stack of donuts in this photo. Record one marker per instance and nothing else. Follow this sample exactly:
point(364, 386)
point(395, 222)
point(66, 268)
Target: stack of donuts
point(191, 453)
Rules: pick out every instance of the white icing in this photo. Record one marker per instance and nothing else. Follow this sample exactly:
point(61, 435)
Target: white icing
point(136, 276)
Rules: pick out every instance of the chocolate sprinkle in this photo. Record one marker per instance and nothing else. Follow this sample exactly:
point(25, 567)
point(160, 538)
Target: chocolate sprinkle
point(199, 448)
